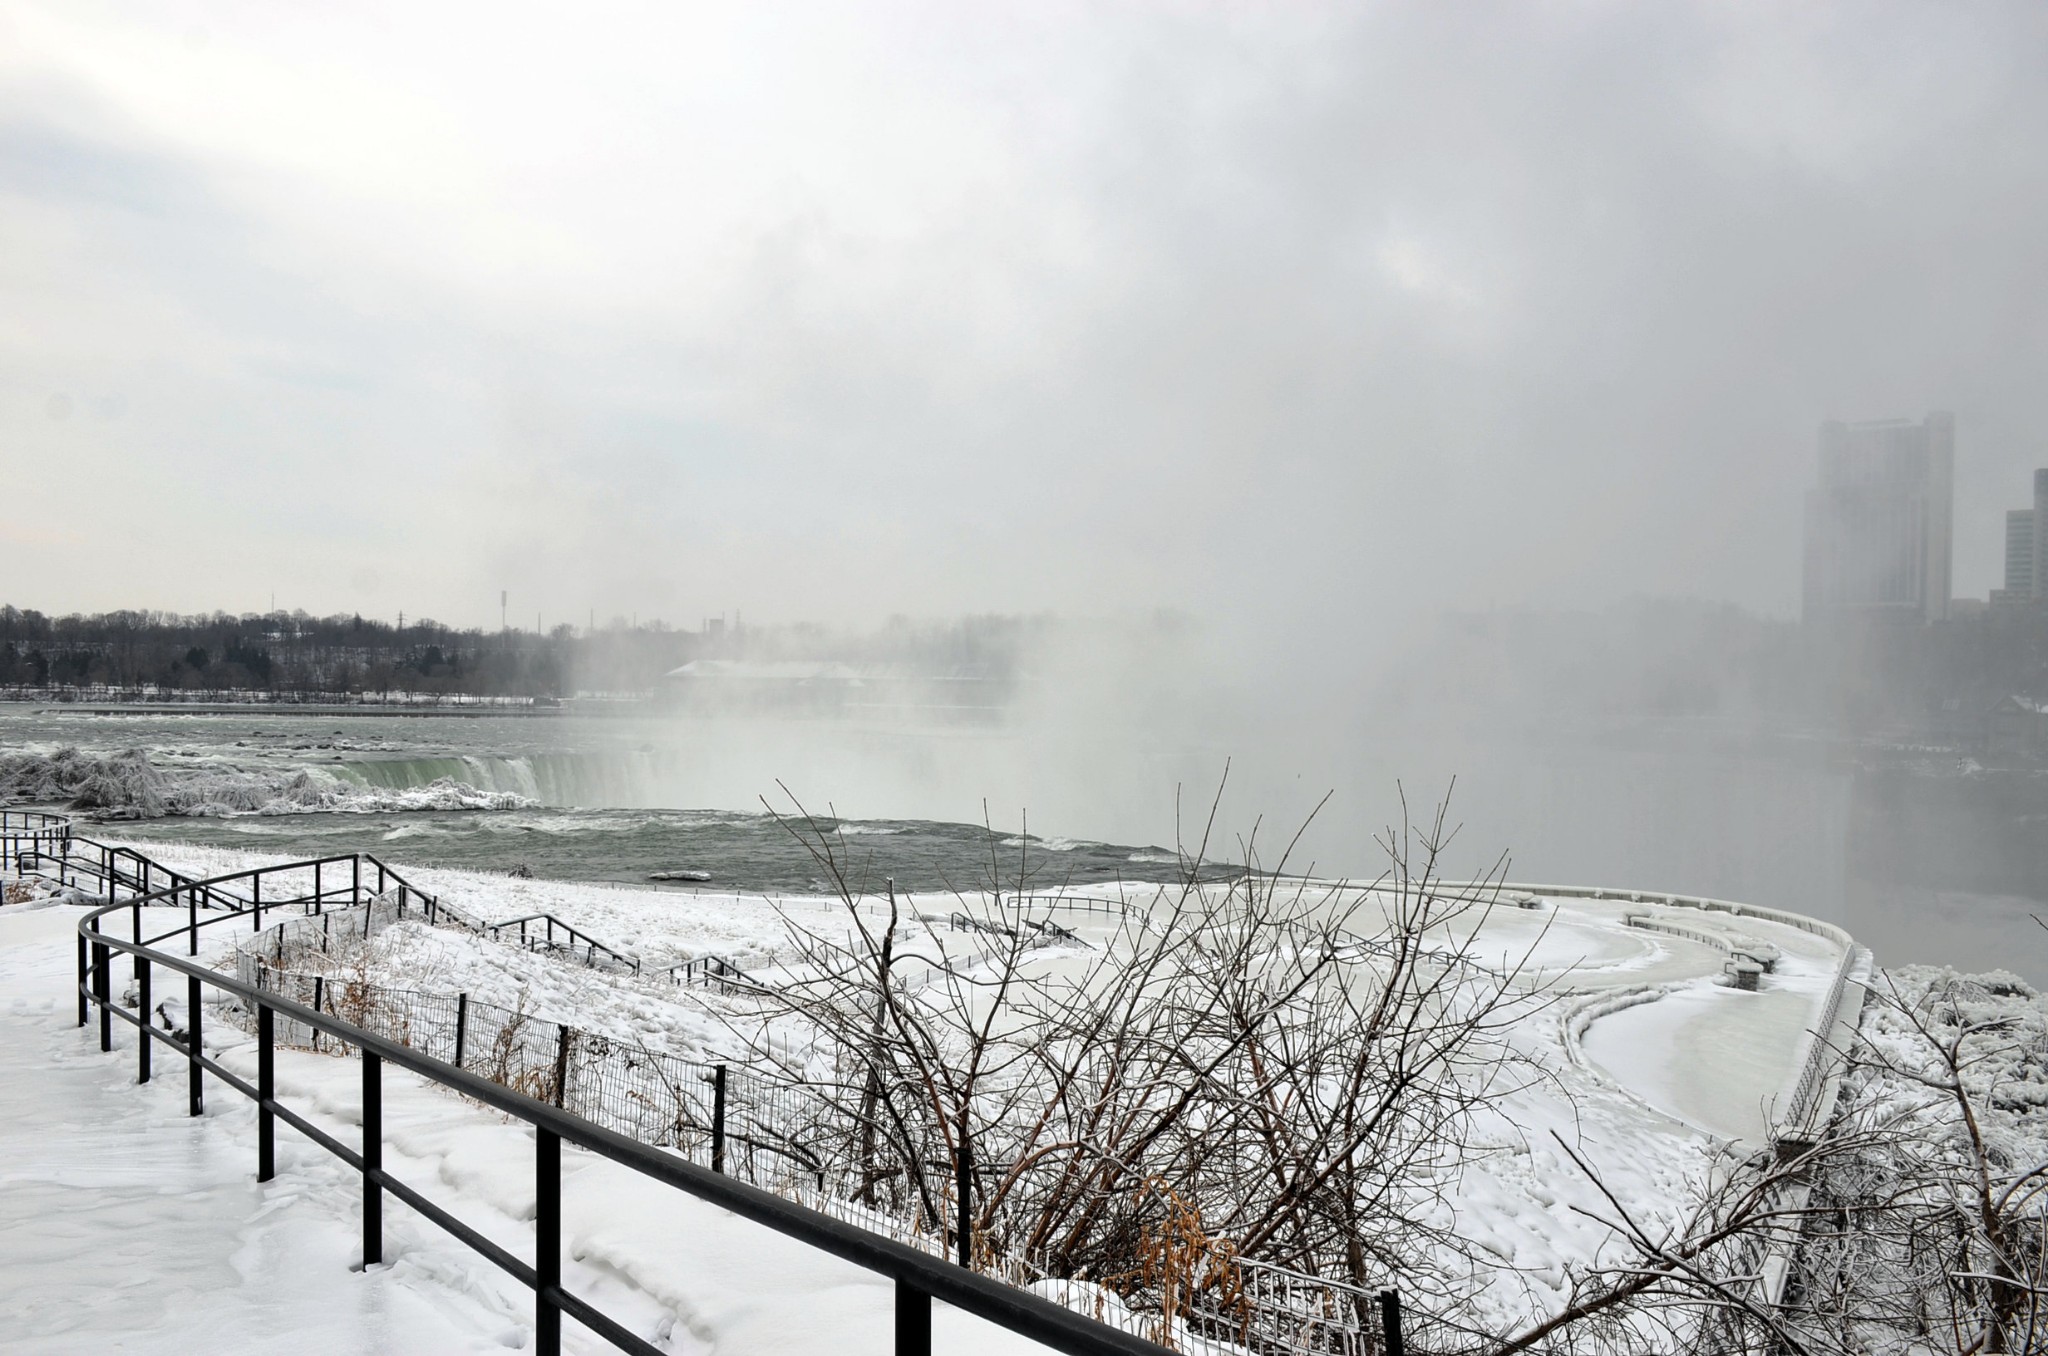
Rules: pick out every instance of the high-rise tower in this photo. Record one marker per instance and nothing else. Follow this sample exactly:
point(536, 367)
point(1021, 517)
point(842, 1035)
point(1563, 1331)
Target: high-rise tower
point(1879, 526)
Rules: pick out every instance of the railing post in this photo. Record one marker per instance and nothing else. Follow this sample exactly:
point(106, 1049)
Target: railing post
point(461, 1026)
point(142, 1041)
point(718, 1119)
point(192, 910)
point(319, 995)
point(373, 1160)
point(102, 985)
point(547, 1228)
point(194, 1045)
point(355, 878)
point(266, 1093)
point(256, 902)
point(1390, 1323)
point(963, 1172)
point(84, 977)
point(318, 907)
point(913, 1320)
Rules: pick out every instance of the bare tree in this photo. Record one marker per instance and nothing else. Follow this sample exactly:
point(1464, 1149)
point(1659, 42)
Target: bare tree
point(1297, 1066)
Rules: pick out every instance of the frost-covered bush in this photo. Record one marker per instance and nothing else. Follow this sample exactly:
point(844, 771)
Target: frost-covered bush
point(127, 785)
point(1931, 1232)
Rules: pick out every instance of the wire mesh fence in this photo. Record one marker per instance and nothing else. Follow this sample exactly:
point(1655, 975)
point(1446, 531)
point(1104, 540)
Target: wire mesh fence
point(774, 1131)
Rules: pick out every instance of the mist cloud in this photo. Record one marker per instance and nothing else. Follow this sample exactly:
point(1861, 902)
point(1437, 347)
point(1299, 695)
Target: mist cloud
point(1318, 317)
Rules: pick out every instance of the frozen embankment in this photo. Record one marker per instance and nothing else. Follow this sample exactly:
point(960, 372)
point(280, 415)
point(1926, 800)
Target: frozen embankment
point(127, 1226)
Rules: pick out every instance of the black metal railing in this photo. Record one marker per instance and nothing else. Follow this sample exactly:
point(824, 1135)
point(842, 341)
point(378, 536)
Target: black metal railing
point(1315, 1318)
point(545, 932)
point(26, 836)
point(713, 971)
point(919, 1277)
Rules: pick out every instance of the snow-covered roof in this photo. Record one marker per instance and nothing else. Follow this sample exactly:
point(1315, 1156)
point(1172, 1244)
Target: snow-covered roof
point(765, 671)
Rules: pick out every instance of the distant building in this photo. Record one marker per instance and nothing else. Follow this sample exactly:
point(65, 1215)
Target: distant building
point(2039, 522)
point(1879, 525)
point(2026, 551)
point(782, 687)
point(2021, 573)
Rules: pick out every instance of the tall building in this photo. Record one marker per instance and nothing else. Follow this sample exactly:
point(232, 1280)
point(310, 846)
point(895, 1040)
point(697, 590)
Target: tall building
point(2020, 569)
point(2041, 533)
point(1879, 526)
point(2026, 550)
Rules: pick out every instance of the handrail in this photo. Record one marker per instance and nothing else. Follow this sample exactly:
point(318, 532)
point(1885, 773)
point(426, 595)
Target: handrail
point(33, 828)
point(920, 1278)
point(577, 937)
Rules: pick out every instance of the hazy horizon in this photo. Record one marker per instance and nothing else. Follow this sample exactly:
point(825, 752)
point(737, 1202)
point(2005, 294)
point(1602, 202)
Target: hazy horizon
point(1326, 315)
point(1315, 326)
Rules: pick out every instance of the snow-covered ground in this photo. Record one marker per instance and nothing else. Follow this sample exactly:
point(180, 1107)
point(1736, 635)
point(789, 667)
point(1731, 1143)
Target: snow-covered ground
point(1674, 1064)
point(126, 1226)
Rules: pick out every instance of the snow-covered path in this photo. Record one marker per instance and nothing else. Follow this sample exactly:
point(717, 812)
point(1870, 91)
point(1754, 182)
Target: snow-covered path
point(1638, 1092)
point(127, 1226)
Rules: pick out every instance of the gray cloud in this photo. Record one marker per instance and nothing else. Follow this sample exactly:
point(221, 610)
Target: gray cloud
point(1319, 315)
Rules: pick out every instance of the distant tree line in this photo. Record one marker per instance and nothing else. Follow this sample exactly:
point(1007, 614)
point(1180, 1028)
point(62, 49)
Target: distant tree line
point(294, 653)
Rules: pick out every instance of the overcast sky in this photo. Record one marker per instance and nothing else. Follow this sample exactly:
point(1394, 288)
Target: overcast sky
point(1274, 310)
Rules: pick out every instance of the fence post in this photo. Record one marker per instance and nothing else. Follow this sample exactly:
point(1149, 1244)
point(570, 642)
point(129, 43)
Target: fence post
point(355, 877)
point(102, 984)
point(562, 1066)
point(547, 1229)
point(461, 1026)
point(319, 993)
point(256, 901)
point(197, 1094)
point(1390, 1322)
point(318, 907)
point(718, 1119)
point(192, 919)
point(373, 1160)
point(142, 1011)
point(913, 1320)
point(84, 977)
point(963, 1174)
point(266, 1093)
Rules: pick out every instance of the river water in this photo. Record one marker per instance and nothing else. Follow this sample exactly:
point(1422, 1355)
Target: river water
point(1924, 856)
